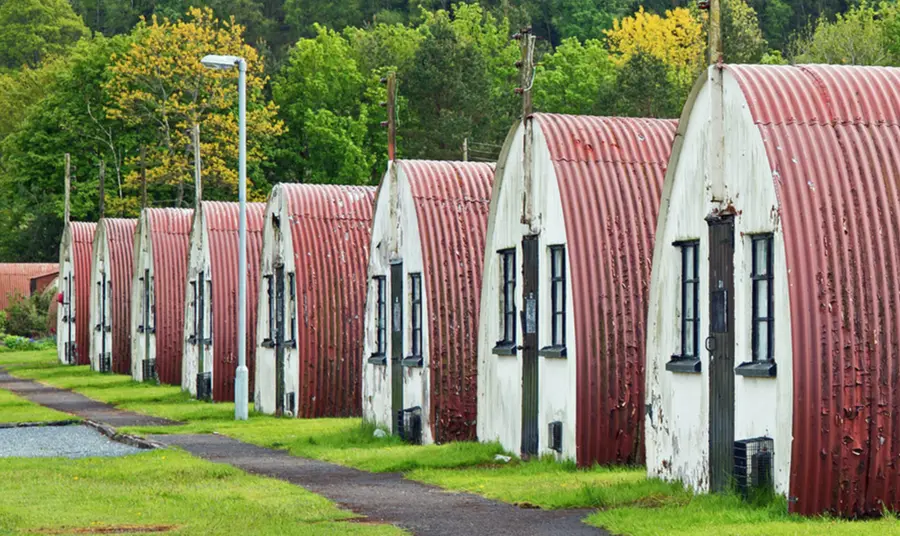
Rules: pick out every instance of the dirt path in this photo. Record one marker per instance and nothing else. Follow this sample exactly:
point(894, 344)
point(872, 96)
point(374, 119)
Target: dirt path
point(382, 497)
point(76, 404)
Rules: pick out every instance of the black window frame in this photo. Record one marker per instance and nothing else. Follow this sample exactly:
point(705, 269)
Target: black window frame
point(379, 356)
point(557, 309)
point(688, 359)
point(507, 343)
point(292, 289)
point(415, 359)
point(761, 365)
point(269, 341)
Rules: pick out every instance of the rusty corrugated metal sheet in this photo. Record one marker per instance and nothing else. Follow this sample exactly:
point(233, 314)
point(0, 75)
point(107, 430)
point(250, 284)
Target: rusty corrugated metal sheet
point(222, 239)
point(15, 279)
point(40, 283)
point(832, 135)
point(452, 201)
point(81, 242)
point(610, 172)
point(119, 236)
point(331, 227)
point(170, 236)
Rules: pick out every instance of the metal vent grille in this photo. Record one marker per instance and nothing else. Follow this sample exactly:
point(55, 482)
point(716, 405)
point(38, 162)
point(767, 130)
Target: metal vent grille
point(290, 403)
point(555, 435)
point(753, 465)
point(106, 362)
point(409, 423)
point(204, 386)
point(150, 370)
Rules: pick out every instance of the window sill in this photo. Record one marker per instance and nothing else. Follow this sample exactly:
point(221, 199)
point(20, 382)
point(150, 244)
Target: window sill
point(757, 369)
point(412, 361)
point(504, 348)
point(553, 351)
point(684, 365)
point(377, 359)
point(268, 343)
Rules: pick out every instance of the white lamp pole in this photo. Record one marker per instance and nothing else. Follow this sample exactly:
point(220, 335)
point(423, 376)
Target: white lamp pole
point(242, 375)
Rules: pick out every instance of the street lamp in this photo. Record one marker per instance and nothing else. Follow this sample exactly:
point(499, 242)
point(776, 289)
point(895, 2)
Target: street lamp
point(241, 379)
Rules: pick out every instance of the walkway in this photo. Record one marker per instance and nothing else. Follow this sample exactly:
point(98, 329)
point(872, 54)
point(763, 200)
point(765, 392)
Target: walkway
point(381, 497)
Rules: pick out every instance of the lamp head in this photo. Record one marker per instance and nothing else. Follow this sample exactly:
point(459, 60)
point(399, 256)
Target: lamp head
point(214, 61)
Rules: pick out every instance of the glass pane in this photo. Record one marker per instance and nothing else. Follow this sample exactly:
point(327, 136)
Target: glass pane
point(559, 297)
point(762, 340)
point(688, 339)
point(557, 262)
point(689, 301)
point(762, 299)
point(762, 256)
point(688, 262)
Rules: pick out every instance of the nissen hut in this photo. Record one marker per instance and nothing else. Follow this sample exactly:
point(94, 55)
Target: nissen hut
point(211, 304)
point(425, 265)
point(312, 299)
point(110, 309)
point(566, 275)
point(72, 324)
point(772, 348)
point(161, 246)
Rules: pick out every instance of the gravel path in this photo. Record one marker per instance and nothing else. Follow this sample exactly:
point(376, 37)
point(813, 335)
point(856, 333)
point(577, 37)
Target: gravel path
point(76, 404)
point(388, 497)
point(59, 441)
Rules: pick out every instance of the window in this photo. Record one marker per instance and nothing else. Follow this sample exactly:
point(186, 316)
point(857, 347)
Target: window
point(381, 316)
point(269, 341)
point(507, 342)
point(415, 284)
point(292, 288)
point(763, 310)
point(690, 300)
point(687, 358)
point(558, 295)
point(193, 337)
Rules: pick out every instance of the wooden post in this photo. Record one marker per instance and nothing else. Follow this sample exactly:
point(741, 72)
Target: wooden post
point(392, 115)
point(716, 106)
point(102, 187)
point(526, 72)
point(198, 180)
point(68, 207)
point(143, 177)
point(465, 149)
point(715, 32)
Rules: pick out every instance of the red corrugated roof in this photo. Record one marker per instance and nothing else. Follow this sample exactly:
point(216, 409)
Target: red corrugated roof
point(610, 172)
point(452, 201)
point(82, 243)
point(222, 226)
point(833, 142)
point(119, 234)
point(331, 229)
point(170, 236)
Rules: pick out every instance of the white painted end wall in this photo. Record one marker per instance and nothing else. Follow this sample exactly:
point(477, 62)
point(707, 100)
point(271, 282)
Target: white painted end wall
point(100, 309)
point(198, 261)
point(65, 327)
point(678, 404)
point(143, 340)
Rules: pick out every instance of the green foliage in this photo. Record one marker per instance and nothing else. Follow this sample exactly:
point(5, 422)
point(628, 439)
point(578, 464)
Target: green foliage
point(31, 30)
point(646, 88)
point(305, 15)
point(576, 78)
point(14, 409)
point(742, 38)
point(26, 318)
point(858, 37)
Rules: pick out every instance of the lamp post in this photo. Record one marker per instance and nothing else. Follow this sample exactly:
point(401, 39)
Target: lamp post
point(241, 378)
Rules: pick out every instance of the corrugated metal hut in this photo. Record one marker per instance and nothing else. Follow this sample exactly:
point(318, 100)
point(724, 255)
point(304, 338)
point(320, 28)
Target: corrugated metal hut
point(112, 268)
point(161, 242)
point(427, 250)
point(772, 351)
point(563, 304)
point(72, 325)
point(210, 315)
point(24, 279)
point(312, 300)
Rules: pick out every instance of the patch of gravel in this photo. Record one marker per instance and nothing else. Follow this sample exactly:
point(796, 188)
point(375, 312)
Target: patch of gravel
point(59, 441)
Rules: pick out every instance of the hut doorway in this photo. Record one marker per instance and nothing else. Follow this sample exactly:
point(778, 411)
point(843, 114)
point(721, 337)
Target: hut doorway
point(279, 341)
point(397, 345)
point(720, 345)
point(530, 346)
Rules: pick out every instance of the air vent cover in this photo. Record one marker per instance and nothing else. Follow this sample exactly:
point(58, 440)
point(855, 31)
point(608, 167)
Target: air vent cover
point(753, 465)
point(149, 370)
point(555, 435)
point(410, 421)
point(204, 386)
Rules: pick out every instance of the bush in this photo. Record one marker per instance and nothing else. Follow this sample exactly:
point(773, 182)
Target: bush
point(27, 317)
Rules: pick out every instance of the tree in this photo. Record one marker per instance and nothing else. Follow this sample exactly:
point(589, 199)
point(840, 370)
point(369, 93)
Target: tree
point(31, 30)
point(576, 79)
point(742, 39)
point(645, 89)
point(383, 45)
point(304, 15)
point(321, 95)
point(855, 38)
point(160, 87)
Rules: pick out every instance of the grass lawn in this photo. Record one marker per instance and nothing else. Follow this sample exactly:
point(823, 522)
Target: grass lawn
point(170, 488)
point(14, 408)
point(720, 515)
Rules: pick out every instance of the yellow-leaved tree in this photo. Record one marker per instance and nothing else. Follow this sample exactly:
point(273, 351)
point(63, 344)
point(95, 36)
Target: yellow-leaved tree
point(160, 87)
point(676, 40)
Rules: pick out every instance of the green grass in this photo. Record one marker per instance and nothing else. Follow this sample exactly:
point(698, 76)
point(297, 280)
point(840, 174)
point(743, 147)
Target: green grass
point(14, 408)
point(548, 484)
point(163, 487)
point(723, 515)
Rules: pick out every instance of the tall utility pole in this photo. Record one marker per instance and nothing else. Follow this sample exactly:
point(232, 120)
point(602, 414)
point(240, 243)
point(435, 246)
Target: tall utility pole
point(198, 182)
point(526, 73)
point(465, 149)
point(143, 177)
point(391, 83)
point(102, 204)
point(715, 32)
point(716, 107)
point(68, 208)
